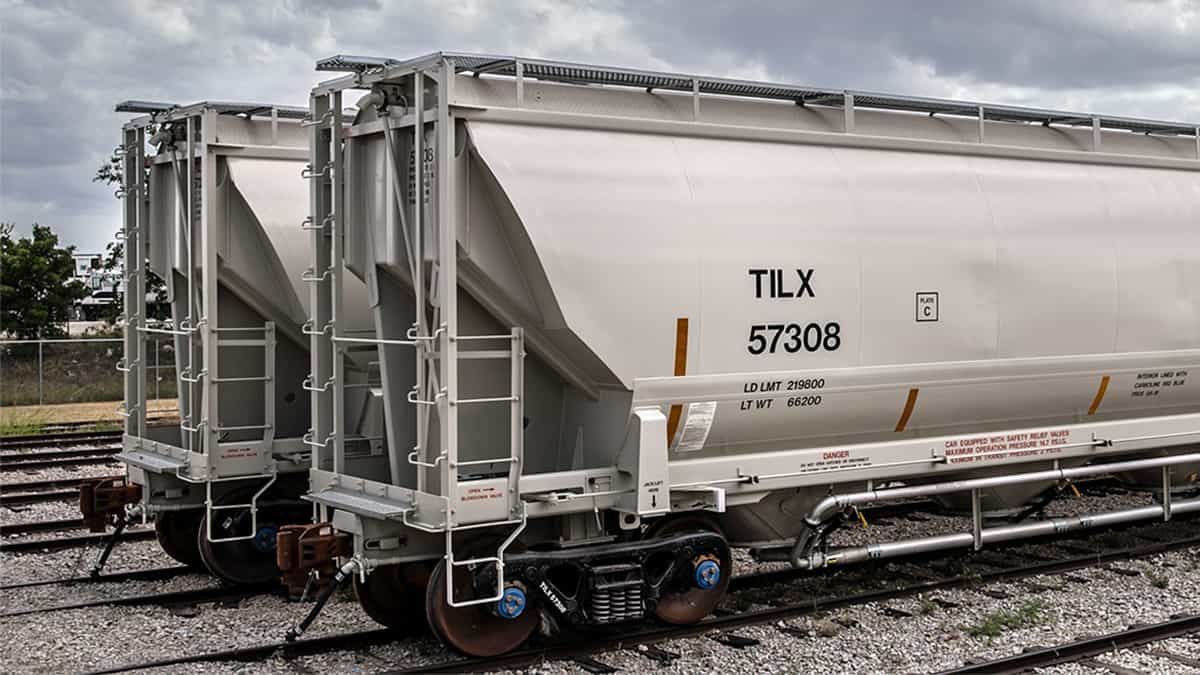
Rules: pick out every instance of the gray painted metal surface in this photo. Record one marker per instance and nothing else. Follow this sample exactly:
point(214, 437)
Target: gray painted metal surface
point(734, 303)
point(215, 207)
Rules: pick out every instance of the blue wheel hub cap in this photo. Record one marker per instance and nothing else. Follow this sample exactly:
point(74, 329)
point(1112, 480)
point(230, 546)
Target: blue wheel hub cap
point(708, 574)
point(264, 539)
point(512, 603)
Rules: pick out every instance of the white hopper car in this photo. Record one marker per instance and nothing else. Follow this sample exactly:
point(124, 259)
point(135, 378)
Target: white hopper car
point(215, 205)
point(628, 320)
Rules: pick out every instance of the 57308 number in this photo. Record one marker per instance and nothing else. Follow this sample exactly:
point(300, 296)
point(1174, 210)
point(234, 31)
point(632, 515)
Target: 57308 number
point(770, 338)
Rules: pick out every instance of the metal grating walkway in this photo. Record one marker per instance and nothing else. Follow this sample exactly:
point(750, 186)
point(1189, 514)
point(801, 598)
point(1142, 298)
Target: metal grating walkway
point(370, 69)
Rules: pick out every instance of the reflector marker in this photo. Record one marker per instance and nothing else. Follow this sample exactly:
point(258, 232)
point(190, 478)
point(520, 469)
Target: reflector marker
point(908, 409)
point(1099, 395)
point(681, 343)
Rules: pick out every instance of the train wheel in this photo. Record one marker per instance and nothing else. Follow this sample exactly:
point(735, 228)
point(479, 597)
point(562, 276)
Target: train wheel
point(392, 592)
point(247, 561)
point(478, 630)
point(692, 593)
point(176, 533)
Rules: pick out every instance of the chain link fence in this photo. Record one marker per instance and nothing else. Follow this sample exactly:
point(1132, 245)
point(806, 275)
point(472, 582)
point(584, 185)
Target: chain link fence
point(78, 370)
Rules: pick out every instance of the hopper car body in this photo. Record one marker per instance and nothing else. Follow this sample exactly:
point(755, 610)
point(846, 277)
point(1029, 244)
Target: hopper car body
point(626, 320)
point(215, 206)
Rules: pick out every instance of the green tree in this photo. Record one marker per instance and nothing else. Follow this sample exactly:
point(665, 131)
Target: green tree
point(111, 173)
point(37, 284)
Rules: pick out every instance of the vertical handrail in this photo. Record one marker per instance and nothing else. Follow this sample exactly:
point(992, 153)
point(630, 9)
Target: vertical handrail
point(138, 291)
point(136, 219)
point(129, 222)
point(420, 319)
point(517, 422)
point(447, 287)
point(320, 345)
point(269, 384)
point(191, 440)
point(336, 267)
point(209, 244)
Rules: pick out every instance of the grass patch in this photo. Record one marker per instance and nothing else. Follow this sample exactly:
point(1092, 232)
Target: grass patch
point(927, 607)
point(1030, 613)
point(78, 372)
point(102, 415)
point(24, 423)
point(1158, 580)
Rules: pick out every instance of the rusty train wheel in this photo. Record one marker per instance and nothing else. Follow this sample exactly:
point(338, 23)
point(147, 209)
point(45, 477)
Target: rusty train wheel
point(475, 630)
point(391, 594)
point(693, 593)
point(248, 561)
point(176, 534)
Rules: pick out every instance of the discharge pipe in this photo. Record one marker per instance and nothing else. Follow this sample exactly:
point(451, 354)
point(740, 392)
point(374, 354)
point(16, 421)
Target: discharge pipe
point(804, 557)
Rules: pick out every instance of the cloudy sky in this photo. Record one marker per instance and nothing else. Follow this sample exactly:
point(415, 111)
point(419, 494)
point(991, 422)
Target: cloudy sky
point(64, 64)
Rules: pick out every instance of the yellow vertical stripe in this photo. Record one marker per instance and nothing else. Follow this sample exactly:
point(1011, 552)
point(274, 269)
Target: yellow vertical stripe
point(1099, 396)
point(681, 344)
point(908, 409)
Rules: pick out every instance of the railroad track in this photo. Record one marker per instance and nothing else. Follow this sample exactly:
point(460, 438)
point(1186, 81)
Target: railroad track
point(74, 541)
point(59, 439)
point(222, 594)
point(57, 434)
point(773, 590)
point(1084, 652)
point(38, 526)
point(152, 574)
point(24, 461)
point(34, 492)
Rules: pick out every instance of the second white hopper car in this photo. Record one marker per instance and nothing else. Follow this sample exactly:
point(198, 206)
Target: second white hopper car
point(215, 205)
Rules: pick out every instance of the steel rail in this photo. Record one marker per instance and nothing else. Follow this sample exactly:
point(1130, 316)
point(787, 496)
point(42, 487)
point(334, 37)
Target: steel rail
point(339, 641)
point(51, 484)
point(12, 499)
point(1078, 650)
point(28, 461)
point(60, 543)
point(591, 644)
point(58, 440)
point(153, 574)
point(56, 454)
point(41, 526)
point(199, 595)
point(74, 433)
point(54, 483)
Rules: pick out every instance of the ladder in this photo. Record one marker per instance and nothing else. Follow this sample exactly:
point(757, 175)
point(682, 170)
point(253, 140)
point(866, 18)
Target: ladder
point(198, 335)
point(133, 240)
point(419, 144)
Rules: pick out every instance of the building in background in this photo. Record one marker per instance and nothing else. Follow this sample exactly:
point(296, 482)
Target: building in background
point(105, 287)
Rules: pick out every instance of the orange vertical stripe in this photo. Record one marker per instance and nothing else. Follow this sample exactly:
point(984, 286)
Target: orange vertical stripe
point(908, 409)
point(681, 343)
point(1099, 395)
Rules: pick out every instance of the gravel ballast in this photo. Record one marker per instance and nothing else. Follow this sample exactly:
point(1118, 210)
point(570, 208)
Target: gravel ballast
point(869, 639)
point(905, 635)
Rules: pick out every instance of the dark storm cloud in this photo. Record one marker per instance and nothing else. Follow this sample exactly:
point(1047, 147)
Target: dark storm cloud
point(1027, 42)
point(63, 65)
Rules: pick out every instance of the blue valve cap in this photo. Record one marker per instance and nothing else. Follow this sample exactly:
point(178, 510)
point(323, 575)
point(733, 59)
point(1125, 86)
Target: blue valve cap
point(512, 603)
point(708, 574)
